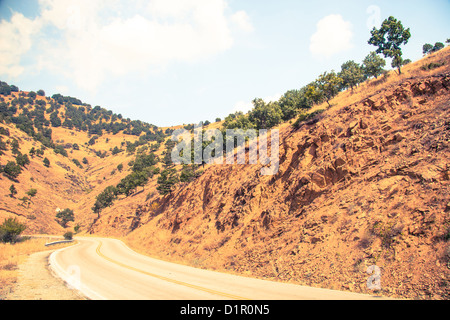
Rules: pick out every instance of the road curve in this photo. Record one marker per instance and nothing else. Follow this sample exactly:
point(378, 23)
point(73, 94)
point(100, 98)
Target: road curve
point(106, 269)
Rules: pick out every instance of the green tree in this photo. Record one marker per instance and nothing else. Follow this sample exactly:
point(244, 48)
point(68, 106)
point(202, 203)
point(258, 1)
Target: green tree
point(22, 160)
point(328, 85)
point(188, 173)
point(427, 48)
point(105, 199)
point(41, 93)
point(55, 120)
point(238, 120)
point(31, 193)
point(313, 93)
point(116, 150)
point(32, 95)
point(15, 146)
point(13, 191)
point(373, 65)
point(292, 102)
point(65, 216)
point(438, 46)
point(265, 115)
point(11, 229)
point(166, 181)
point(143, 161)
point(397, 62)
point(351, 74)
point(60, 149)
point(46, 162)
point(68, 235)
point(132, 181)
point(389, 38)
point(12, 170)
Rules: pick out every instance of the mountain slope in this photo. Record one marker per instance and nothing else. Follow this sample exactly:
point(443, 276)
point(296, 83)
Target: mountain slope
point(366, 183)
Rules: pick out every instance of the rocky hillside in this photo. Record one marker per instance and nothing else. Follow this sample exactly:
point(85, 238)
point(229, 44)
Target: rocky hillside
point(363, 183)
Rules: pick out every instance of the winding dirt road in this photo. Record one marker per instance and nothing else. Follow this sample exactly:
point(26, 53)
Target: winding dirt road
point(106, 269)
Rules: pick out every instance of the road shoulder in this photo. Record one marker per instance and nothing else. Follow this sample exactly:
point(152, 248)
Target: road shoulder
point(37, 282)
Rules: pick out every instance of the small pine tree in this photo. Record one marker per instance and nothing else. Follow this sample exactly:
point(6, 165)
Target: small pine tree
point(46, 162)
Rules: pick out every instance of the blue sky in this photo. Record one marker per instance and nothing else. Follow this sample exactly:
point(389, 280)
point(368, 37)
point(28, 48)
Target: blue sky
point(170, 62)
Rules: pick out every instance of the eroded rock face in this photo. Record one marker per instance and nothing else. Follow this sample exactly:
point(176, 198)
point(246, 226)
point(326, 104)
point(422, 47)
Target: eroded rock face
point(367, 184)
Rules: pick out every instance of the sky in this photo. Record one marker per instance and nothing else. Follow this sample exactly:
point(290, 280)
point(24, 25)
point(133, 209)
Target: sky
point(172, 62)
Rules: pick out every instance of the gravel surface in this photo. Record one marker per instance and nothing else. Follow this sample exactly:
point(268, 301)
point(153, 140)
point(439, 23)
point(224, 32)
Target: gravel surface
point(36, 282)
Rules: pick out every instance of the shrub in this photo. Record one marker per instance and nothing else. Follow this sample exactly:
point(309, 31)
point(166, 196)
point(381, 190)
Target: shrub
point(432, 65)
point(22, 160)
point(60, 149)
point(116, 151)
point(306, 117)
point(105, 199)
point(77, 163)
point(438, 46)
point(12, 170)
point(31, 193)
point(68, 235)
point(10, 230)
point(13, 191)
point(93, 140)
point(65, 216)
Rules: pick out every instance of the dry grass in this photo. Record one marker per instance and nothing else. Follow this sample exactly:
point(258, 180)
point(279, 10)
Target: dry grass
point(12, 255)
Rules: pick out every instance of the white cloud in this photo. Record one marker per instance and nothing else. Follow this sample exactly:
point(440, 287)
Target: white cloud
point(242, 20)
point(16, 39)
point(62, 89)
point(243, 106)
point(333, 35)
point(95, 39)
point(246, 106)
point(273, 98)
